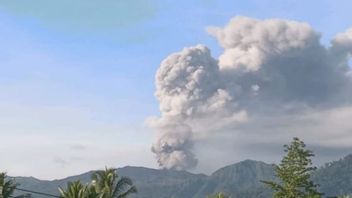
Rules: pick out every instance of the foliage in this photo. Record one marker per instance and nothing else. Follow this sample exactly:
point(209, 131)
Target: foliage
point(109, 185)
point(294, 171)
point(74, 190)
point(104, 184)
point(7, 187)
point(91, 191)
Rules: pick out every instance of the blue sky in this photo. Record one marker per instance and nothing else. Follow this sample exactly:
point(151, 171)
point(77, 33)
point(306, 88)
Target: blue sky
point(77, 78)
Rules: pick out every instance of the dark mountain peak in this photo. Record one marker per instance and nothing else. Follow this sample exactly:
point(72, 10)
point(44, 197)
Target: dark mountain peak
point(238, 179)
point(335, 177)
point(347, 158)
point(344, 163)
point(143, 171)
point(84, 177)
point(243, 167)
point(139, 169)
point(136, 167)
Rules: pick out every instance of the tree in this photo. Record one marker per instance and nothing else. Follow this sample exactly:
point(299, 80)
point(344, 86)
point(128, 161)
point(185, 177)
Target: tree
point(74, 190)
point(77, 190)
point(294, 173)
point(91, 192)
point(109, 185)
point(7, 187)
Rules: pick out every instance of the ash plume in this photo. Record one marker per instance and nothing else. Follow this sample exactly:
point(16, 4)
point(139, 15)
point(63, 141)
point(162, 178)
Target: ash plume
point(268, 68)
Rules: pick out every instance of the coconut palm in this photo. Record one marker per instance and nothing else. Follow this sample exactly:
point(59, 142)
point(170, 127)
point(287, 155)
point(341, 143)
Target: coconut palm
point(7, 187)
point(109, 185)
point(91, 192)
point(74, 190)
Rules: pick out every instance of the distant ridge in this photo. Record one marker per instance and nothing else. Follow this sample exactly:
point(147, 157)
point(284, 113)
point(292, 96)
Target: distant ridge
point(240, 180)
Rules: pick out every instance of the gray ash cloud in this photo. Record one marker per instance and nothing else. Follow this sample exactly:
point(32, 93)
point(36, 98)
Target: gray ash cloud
point(268, 68)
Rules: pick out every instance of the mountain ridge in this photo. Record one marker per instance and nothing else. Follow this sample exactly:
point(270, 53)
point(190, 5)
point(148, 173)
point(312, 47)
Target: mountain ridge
point(240, 179)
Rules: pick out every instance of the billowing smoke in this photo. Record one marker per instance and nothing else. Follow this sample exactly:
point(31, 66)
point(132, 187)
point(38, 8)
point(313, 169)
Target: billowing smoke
point(268, 68)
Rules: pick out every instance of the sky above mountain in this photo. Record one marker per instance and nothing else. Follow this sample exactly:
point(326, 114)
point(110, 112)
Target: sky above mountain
point(82, 83)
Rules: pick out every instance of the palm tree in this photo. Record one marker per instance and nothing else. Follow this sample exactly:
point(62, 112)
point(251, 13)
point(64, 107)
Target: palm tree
point(7, 187)
point(74, 190)
point(91, 191)
point(109, 185)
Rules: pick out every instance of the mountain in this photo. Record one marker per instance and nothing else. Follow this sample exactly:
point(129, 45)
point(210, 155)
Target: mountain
point(239, 180)
point(335, 178)
point(45, 186)
point(149, 182)
point(163, 183)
